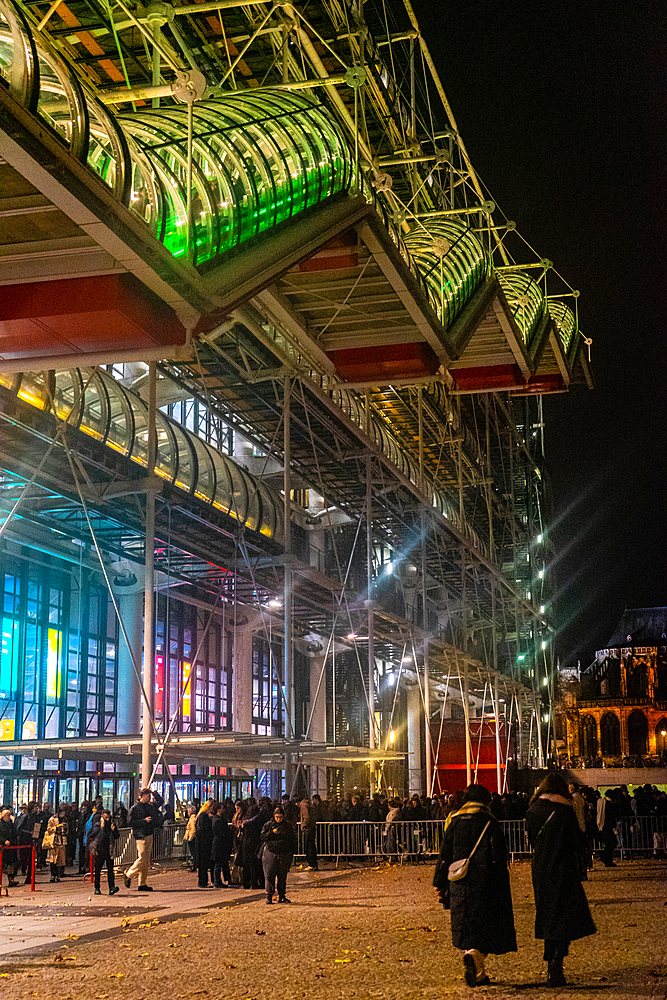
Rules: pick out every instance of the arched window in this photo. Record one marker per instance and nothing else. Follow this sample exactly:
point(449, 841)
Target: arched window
point(610, 735)
point(588, 741)
point(661, 736)
point(637, 733)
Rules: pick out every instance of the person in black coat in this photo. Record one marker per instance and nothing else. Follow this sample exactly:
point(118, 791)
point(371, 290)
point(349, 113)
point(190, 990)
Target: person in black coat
point(256, 817)
point(102, 835)
point(562, 913)
point(221, 846)
point(8, 839)
point(481, 902)
point(280, 843)
point(204, 834)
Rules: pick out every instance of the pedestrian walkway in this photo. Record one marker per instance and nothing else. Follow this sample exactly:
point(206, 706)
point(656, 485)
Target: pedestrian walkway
point(69, 911)
point(363, 933)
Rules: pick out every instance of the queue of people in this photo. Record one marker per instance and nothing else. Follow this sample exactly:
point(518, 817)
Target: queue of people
point(81, 837)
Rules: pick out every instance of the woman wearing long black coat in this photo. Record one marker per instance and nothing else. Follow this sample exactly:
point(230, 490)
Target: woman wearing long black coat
point(256, 817)
point(562, 913)
point(481, 903)
point(221, 847)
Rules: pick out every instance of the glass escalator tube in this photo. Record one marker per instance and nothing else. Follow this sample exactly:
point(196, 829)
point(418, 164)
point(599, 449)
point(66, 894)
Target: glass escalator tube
point(526, 301)
point(18, 56)
point(452, 263)
point(564, 321)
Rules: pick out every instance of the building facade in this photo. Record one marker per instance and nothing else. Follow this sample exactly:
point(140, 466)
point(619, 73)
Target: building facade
point(617, 713)
point(271, 423)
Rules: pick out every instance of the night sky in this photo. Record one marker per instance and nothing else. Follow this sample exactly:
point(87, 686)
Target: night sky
point(562, 109)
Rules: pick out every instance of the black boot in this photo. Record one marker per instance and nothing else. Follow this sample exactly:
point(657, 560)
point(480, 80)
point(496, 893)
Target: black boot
point(555, 975)
point(53, 873)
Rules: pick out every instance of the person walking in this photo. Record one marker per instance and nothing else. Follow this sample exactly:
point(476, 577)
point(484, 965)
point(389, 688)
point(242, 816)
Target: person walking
point(102, 836)
point(480, 902)
point(280, 842)
point(82, 819)
point(308, 821)
point(562, 913)
point(253, 824)
point(606, 821)
point(144, 819)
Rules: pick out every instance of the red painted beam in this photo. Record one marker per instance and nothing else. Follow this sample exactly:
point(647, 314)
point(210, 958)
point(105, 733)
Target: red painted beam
point(540, 384)
point(363, 364)
point(84, 315)
point(487, 377)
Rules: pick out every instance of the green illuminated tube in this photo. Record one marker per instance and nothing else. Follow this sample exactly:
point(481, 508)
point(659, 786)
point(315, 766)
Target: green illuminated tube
point(564, 321)
point(525, 299)
point(258, 159)
point(452, 263)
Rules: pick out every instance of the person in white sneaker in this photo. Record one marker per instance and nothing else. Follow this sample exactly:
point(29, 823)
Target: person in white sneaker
point(145, 819)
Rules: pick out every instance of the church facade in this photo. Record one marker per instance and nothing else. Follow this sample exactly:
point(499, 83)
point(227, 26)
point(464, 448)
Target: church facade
point(615, 714)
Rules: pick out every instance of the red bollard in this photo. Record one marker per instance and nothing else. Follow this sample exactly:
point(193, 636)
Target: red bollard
point(92, 870)
point(32, 869)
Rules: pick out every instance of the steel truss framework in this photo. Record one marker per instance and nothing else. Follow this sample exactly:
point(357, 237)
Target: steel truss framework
point(423, 537)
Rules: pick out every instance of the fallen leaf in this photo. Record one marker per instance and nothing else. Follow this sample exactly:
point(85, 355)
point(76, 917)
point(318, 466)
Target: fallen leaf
point(72, 937)
point(117, 975)
point(144, 954)
point(260, 932)
point(342, 960)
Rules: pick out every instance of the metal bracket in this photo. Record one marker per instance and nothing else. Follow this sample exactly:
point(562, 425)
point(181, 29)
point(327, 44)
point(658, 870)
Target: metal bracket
point(355, 77)
point(189, 86)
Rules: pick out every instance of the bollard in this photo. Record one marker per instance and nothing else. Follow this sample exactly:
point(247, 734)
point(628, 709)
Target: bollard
point(32, 868)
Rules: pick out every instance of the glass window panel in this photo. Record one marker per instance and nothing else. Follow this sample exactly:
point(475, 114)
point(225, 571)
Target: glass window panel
point(120, 428)
point(59, 102)
point(185, 449)
point(94, 417)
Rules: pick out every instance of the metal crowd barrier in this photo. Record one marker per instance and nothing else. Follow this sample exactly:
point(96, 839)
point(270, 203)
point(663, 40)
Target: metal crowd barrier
point(168, 845)
point(639, 836)
point(404, 840)
point(417, 840)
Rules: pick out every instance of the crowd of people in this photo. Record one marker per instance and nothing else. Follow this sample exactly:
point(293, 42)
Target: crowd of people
point(226, 841)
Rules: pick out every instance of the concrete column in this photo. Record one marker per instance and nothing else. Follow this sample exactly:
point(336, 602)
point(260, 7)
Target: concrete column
point(414, 740)
point(318, 724)
point(242, 683)
point(128, 691)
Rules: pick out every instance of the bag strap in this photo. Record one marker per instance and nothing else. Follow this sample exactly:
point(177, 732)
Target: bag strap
point(478, 839)
point(550, 816)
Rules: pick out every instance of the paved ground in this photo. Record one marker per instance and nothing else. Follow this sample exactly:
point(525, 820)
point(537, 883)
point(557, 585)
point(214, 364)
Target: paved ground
point(372, 933)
